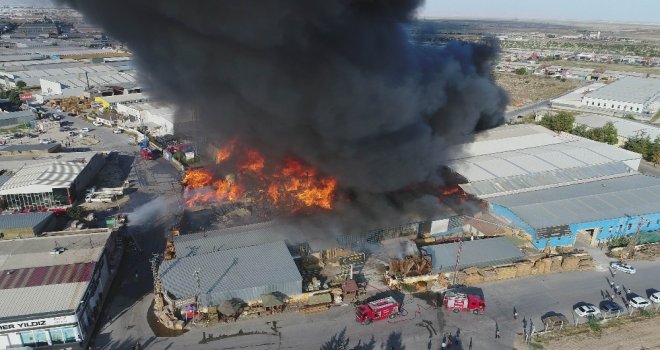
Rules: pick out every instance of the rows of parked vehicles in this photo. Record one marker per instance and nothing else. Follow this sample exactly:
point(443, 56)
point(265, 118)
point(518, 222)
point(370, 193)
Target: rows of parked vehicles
point(609, 305)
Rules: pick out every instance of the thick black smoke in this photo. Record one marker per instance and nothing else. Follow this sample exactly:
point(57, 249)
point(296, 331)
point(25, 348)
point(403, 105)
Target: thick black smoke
point(336, 83)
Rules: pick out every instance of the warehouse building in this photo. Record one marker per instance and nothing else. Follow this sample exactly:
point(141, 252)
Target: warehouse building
point(597, 210)
point(529, 174)
point(25, 225)
point(626, 128)
point(52, 288)
point(209, 279)
point(16, 118)
point(48, 181)
point(626, 95)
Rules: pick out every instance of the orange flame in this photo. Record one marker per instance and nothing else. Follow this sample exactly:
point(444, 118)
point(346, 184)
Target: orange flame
point(226, 152)
point(291, 185)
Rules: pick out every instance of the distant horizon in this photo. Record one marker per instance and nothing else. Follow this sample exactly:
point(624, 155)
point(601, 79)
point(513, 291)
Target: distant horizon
point(643, 12)
point(591, 11)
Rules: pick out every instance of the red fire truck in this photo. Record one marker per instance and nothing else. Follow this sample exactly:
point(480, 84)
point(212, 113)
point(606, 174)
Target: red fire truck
point(377, 310)
point(464, 299)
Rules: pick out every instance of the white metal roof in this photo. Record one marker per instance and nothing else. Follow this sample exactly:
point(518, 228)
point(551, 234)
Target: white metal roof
point(567, 152)
point(625, 127)
point(629, 89)
point(42, 175)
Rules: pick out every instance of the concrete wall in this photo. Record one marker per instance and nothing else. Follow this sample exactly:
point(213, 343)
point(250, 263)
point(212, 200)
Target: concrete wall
point(613, 105)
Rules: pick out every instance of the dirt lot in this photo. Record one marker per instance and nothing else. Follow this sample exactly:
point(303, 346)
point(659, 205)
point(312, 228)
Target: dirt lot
point(606, 66)
point(528, 89)
point(641, 334)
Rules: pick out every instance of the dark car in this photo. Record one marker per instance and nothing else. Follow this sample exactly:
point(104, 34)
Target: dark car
point(610, 306)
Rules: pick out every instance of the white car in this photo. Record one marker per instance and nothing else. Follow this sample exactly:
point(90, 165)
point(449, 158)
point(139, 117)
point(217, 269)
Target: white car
point(639, 302)
point(117, 131)
point(97, 123)
point(84, 129)
point(587, 311)
point(46, 141)
point(617, 265)
point(655, 297)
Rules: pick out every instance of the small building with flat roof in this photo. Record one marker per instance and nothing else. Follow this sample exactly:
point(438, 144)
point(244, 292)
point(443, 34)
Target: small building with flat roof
point(476, 253)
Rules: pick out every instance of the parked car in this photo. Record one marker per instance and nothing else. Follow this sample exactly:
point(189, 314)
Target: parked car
point(46, 141)
point(117, 131)
point(97, 123)
point(655, 297)
point(610, 306)
point(587, 311)
point(84, 129)
point(639, 302)
point(6, 137)
point(623, 267)
point(72, 133)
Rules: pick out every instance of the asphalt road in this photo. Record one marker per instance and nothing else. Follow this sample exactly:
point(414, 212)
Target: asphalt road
point(420, 327)
point(527, 109)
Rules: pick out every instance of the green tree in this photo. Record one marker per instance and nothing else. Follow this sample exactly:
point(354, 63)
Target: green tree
point(562, 121)
point(655, 157)
point(21, 84)
point(610, 134)
point(640, 144)
point(521, 71)
point(75, 213)
point(581, 130)
point(14, 97)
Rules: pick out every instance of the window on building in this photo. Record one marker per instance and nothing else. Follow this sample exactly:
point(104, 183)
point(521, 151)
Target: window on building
point(629, 226)
point(612, 105)
point(637, 109)
point(34, 338)
point(620, 227)
point(598, 104)
point(618, 107)
point(611, 228)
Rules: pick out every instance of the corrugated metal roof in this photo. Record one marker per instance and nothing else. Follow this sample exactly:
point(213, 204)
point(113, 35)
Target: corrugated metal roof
point(43, 176)
point(625, 127)
point(245, 273)
point(629, 89)
point(585, 202)
point(46, 275)
point(481, 252)
point(535, 181)
point(573, 152)
point(40, 299)
point(23, 220)
point(234, 237)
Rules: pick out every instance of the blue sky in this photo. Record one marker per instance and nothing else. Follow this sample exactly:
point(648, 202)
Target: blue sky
point(635, 11)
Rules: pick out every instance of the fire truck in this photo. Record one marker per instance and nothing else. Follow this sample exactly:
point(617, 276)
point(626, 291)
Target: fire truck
point(377, 310)
point(464, 299)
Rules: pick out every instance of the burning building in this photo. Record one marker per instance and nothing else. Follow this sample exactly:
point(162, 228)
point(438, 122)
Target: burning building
point(335, 108)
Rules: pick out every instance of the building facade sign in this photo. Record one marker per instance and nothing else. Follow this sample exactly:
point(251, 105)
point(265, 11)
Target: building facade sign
point(44, 322)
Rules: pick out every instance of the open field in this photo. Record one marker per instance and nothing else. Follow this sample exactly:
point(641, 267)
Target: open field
point(529, 89)
point(606, 66)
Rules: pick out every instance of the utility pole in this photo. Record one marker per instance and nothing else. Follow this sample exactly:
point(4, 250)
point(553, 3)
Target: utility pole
point(199, 291)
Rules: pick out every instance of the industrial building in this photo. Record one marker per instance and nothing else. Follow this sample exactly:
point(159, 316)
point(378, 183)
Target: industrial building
point(556, 186)
point(239, 263)
point(48, 181)
point(626, 128)
point(25, 225)
point(601, 210)
point(112, 101)
point(16, 118)
point(52, 288)
point(626, 95)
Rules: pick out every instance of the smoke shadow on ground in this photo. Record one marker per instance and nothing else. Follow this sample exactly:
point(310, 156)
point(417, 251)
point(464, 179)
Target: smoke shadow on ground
point(341, 341)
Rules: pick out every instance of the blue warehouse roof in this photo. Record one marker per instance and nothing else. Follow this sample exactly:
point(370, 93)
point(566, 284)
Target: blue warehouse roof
point(586, 202)
point(244, 273)
point(23, 220)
